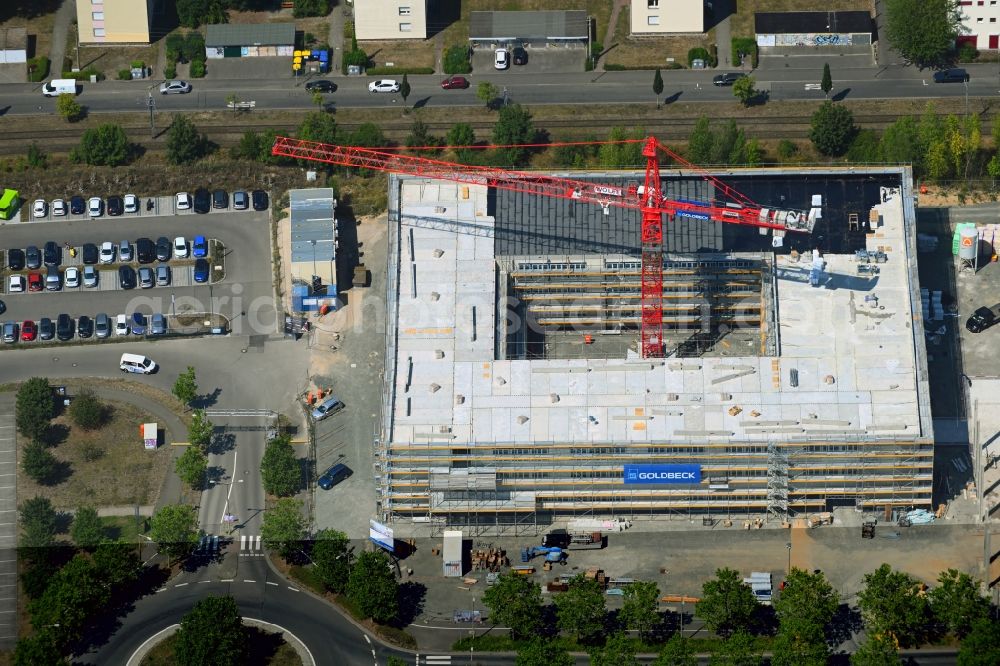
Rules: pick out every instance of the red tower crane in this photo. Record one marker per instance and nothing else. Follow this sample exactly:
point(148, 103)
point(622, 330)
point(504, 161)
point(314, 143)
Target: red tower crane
point(733, 208)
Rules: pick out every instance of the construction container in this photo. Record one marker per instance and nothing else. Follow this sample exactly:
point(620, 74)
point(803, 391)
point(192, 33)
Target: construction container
point(452, 553)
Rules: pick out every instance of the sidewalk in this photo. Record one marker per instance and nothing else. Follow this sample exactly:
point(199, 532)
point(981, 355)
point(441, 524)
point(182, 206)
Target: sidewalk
point(338, 17)
point(609, 33)
point(65, 16)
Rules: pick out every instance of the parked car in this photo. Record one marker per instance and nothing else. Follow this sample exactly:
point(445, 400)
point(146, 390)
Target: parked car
point(321, 85)
point(35, 281)
point(11, 332)
point(199, 248)
point(53, 279)
point(84, 326)
point(51, 254)
point(158, 324)
point(519, 56)
point(501, 59)
point(121, 325)
point(333, 476)
point(64, 327)
point(3, 307)
point(727, 79)
point(90, 277)
point(131, 204)
point(15, 284)
point(115, 206)
point(39, 208)
point(15, 259)
point(124, 251)
point(146, 280)
point(383, 86)
point(200, 270)
point(183, 201)
point(137, 323)
point(175, 87)
point(126, 277)
point(72, 277)
point(32, 257)
point(180, 248)
point(220, 199)
point(163, 275)
point(455, 82)
point(259, 198)
point(145, 251)
point(77, 205)
point(954, 75)
point(58, 208)
point(240, 200)
point(95, 207)
point(28, 331)
point(46, 329)
point(163, 249)
point(983, 318)
point(331, 405)
point(102, 325)
point(107, 252)
point(90, 254)
point(202, 200)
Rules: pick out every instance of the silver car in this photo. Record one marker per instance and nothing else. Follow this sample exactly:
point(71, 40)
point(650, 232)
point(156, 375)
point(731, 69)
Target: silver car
point(146, 279)
point(102, 325)
point(162, 276)
point(158, 324)
point(89, 276)
point(172, 87)
point(331, 405)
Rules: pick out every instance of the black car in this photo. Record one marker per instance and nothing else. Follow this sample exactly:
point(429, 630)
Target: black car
point(85, 326)
point(259, 198)
point(202, 200)
point(951, 76)
point(145, 251)
point(519, 56)
point(163, 249)
point(64, 327)
point(220, 199)
point(126, 277)
point(727, 79)
point(77, 205)
point(90, 253)
point(983, 318)
point(115, 206)
point(15, 259)
point(51, 254)
point(321, 85)
point(46, 329)
point(32, 257)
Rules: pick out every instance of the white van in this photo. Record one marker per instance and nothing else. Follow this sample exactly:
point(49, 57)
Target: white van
point(137, 363)
point(57, 87)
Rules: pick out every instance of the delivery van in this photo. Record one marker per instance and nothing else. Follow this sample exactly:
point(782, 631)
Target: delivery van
point(136, 363)
point(57, 87)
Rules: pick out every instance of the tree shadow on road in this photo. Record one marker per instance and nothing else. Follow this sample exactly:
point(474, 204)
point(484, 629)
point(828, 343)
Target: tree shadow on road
point(845, 623)
point(411, 602)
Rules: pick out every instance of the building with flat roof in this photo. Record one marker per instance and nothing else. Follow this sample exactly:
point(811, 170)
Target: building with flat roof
point(843, 29)
point(114, 21)
point(795, 378)
point(249, 40)
point(536, 28)
point(390, 19)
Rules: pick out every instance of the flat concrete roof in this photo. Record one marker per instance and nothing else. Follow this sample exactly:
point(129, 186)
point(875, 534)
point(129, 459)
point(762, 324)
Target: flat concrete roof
point(848, 366)
point(250, 34)
point(571, 24)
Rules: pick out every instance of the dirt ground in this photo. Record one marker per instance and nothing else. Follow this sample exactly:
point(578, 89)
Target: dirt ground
point(402, 53)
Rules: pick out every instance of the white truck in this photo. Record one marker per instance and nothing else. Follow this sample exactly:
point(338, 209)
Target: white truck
point(57, 87)
point(760, 583)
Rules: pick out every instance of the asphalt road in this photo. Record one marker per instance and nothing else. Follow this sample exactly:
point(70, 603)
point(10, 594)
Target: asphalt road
point(783, 80)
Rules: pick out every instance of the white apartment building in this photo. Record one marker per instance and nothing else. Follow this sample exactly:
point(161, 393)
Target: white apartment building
point(981, 22)
point(656, 17)
point(390, 19)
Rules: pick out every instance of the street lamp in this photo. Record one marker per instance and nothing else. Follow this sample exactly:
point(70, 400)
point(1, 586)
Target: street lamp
point(789, 547)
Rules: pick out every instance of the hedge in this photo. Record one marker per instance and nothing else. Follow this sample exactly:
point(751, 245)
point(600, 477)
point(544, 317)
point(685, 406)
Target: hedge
point(84, 75)
point(745, 45)
point(613, 67)
point(399, 70)
point(41, 71)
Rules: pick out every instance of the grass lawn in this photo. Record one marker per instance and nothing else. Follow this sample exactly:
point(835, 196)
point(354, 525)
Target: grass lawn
point(649, 51)
point(122, 528)
point(263, 649)
point(741, 23)
point(401, 52)
point(104, 467)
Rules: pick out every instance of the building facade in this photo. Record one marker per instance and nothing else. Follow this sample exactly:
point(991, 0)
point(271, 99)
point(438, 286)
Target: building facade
point(114, 21)
point(390, 19)
point(980, 23)
point(656, 17)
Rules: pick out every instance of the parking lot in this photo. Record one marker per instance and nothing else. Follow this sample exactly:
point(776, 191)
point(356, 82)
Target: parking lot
point(569, 58)
point(239, 285)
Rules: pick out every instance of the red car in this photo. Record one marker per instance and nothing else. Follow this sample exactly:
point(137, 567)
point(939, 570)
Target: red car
point(35, 282)
point(28, 331)
point(455, 82)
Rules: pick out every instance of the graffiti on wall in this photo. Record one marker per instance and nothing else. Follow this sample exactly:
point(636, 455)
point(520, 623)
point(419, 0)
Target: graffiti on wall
point(805, 39)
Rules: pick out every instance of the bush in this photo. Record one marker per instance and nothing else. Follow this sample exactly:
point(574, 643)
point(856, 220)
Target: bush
point(38, 69)
point(747, 46)
point(194, 46)
point(106, 145)
point(787, 149)
point(197, 69)
point(303, 8)
point(170, 72)
point(967, 52)
point(699, 53)
point(35, 407)
point(399, 71)
point(124, 74)
point(456, 60)
point(84, 74)
point(355, 57)
point(87, 411)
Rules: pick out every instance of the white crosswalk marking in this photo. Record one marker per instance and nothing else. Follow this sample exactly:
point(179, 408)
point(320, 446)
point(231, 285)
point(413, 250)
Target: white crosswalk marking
point(250, 546)
point(437, 660)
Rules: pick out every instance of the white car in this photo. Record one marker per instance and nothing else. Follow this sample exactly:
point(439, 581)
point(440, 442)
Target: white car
point(501, 59)
point(58, 207)
point(183, 201)
point(16, 284)
point(39, 208)
point(180, 248)
point(95, 206)
point(383, 85)
point(71, 278)
point(107, 252)
point(175, 87)
point(121, 325)
point(131, 203)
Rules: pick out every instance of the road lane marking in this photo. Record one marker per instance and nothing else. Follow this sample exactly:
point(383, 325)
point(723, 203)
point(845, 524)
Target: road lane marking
point(270, 583)
point(180, 584)
point(247, 580)
point(293, 589)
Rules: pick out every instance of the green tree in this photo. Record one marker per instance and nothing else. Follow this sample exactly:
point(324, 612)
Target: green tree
point(70, 599)
point(678, 651)
point(87, 411)
point(87, 530)
point(486, 92)
point(739, 649)
point(104, 145)
point(461, 134)
point(993, 167)
point(618, 650)
point(513, 126)
point(744, 89)
point(580, 610)
point(617, 155)
point(200, 430)
point(284, 527)
point(826, 84)
point(193, 13)
point(516, 602)
point(184, 144)
point(730, 145)
point(186, 387)
point(34, 408)
point(726, 605)
point(542, 652)
point(369, 135)
point(657, 86)
point(303, 8)
point(117, 563)
point(956, 601)
point(331, 555)
point(807, 596)
point(800, 642)
point(923, 31)
point(38, 649)
point(233, 100)
point(279, 468)
point(832, 129)
point(640, 607)
point(701, 142)
point(404, 89)
point(318, 126)
point(456, 60)
point(175, 528)
point(191, 466)
point(68, 108)
point(36, 157)
point(981, 646)
point(420, 136)
point(937, 166)
point(753, 153)
point(318, 99)
point(38, 523)
point(212, 633)
point(864, 147)
point(373, 588)
point(38, 463)
point(876, 651)
point(891, 606)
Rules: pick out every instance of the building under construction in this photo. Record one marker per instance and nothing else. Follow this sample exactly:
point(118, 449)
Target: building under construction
point(794, 376)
